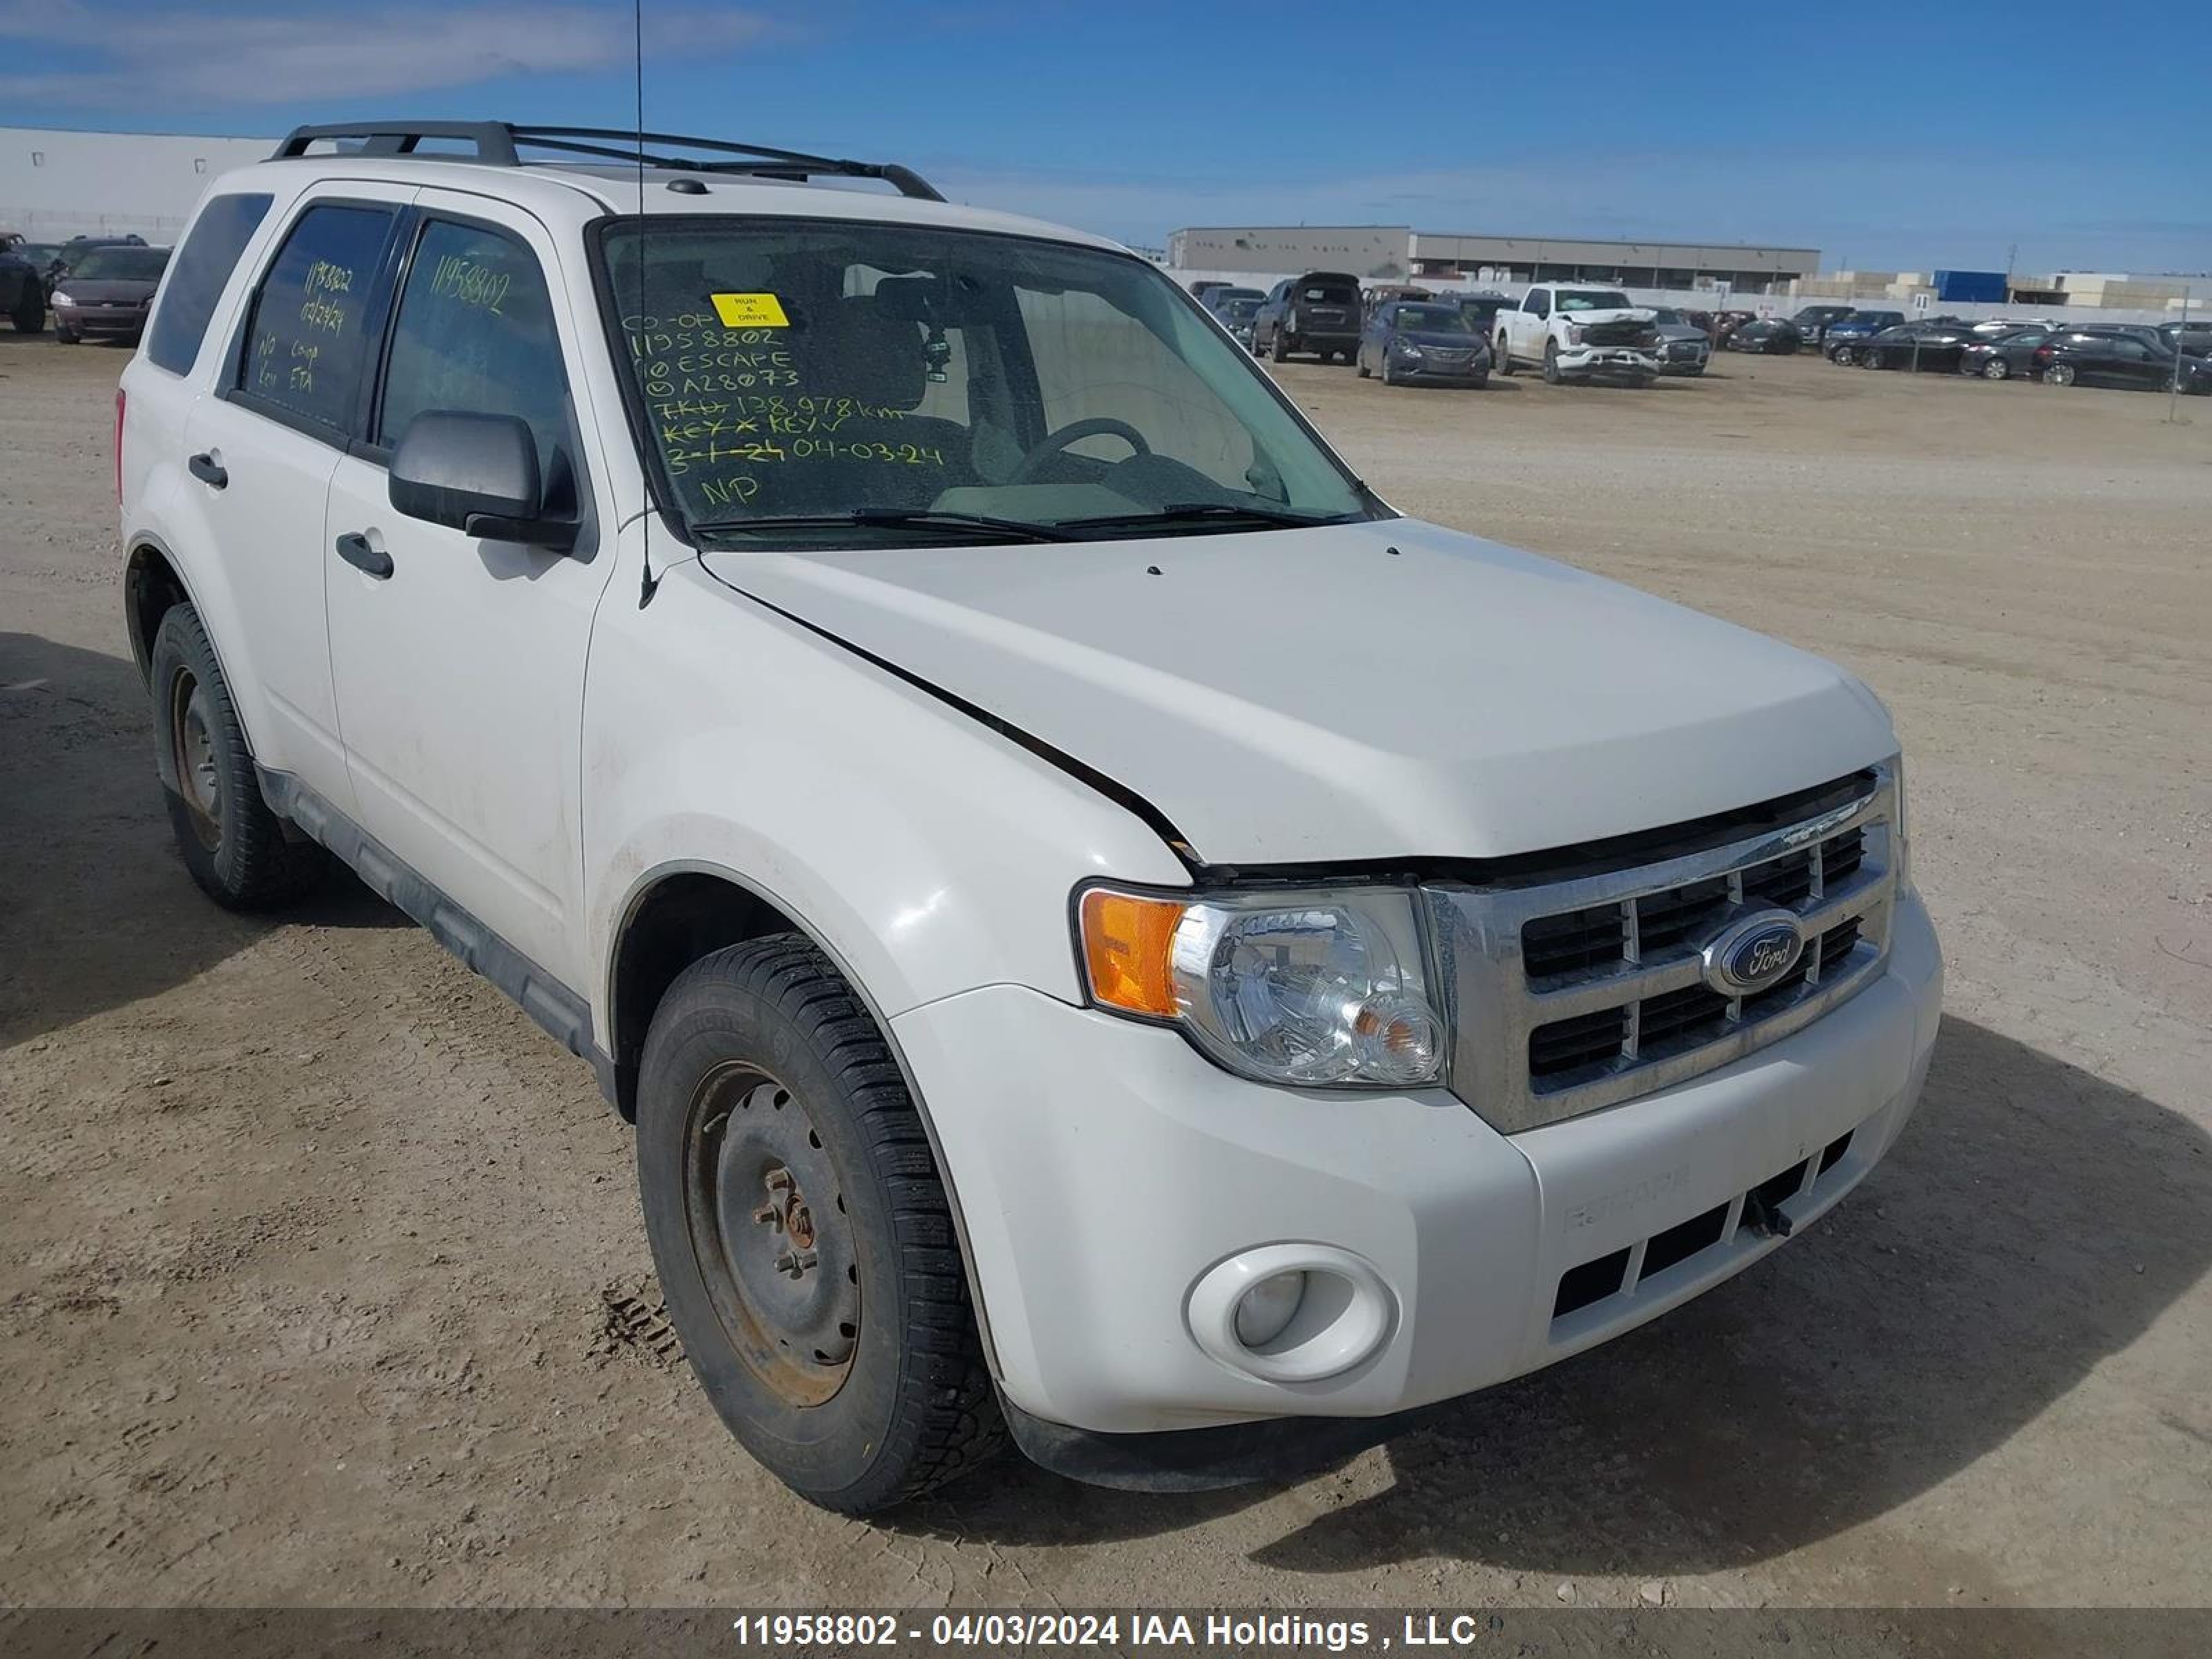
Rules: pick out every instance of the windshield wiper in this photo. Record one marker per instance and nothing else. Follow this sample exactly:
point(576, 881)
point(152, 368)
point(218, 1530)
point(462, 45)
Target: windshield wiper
point(1223, 512)
point(887, 518)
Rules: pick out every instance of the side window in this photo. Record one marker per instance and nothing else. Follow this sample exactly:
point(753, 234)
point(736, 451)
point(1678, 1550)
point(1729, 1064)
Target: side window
point(196, 276)
point(1538, 303)
point(475, 333)
point(307, 340)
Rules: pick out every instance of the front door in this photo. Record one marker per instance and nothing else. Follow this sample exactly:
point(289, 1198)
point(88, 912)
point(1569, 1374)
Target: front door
point(461, 672)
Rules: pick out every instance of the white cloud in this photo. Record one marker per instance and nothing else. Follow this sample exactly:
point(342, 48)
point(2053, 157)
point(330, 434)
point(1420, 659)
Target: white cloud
point(188, 56)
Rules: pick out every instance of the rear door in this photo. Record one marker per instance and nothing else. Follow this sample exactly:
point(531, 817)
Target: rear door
point(460, 671)
point(261, 451)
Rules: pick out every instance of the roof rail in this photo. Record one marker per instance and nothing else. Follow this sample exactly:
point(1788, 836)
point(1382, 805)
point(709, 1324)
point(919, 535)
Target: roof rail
point(500, 144)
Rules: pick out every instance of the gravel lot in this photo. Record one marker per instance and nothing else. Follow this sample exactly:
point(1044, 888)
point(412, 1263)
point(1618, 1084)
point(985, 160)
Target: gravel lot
point(321, 1275)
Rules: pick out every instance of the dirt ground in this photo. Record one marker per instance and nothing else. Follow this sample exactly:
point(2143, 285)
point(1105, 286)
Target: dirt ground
point(320, 1267)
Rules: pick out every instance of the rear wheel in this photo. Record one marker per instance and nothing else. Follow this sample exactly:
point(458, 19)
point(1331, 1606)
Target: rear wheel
point(802, 1234)
point(1871, 358)
point(1278, 347)
point(233, 845)
point(2058, 374)
point(30, 313)
point(1501, 355)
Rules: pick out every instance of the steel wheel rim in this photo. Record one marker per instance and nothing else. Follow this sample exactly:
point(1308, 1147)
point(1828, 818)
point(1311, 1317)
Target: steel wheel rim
point(769, 1231)
point(191, 746)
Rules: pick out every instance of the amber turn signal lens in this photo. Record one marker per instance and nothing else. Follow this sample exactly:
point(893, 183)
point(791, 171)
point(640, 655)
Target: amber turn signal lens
point(1126, 942)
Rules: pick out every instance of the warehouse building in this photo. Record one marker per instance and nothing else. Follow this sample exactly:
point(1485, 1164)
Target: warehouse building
point(1398, 253)
point(56, 184)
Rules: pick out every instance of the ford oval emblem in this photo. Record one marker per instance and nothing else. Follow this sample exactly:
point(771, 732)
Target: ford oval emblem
point(1753, 953)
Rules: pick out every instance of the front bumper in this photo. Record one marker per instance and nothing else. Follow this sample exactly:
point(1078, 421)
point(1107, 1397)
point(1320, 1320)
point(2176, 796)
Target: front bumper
point(1104, 1169)
point(121, 322)
point(1427, 369)
point(1606, 360)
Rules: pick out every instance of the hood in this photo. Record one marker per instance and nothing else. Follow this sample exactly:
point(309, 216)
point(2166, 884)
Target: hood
point(1617, 314)
point(1680, 331)
point(107, 290)
point(1307, 695)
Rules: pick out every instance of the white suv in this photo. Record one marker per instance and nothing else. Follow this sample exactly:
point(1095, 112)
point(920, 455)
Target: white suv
point(1104, 927)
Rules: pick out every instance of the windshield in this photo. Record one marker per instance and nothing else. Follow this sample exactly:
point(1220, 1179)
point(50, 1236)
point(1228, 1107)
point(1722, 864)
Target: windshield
point(1592, 299)
point(1430, 320)
point(121, 265)
point(1242, 310)
point(1667, 315)
point(811, 367)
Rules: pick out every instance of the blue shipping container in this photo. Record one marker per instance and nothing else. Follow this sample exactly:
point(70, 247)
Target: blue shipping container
point(1970, 286)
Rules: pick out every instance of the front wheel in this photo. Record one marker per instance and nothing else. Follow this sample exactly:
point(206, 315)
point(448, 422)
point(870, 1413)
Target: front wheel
point(1995, 369)
point(30, 313)
point(235, 848)
point(1844, 355)
point(802, 1234)
point(1502, 358)
point(1551, 362)
point(66, 335)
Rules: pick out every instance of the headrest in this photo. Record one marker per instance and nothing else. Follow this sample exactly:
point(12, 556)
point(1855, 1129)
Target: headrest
point(865, 352)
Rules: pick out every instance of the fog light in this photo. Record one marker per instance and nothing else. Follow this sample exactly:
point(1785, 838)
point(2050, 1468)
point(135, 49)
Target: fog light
point(1264, 1311)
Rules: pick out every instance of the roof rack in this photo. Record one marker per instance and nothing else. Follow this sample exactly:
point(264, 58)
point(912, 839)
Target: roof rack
point(498, 144)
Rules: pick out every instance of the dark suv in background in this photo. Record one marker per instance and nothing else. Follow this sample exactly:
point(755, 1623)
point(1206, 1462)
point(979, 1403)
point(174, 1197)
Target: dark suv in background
point(1318, 312)
point(23, 290)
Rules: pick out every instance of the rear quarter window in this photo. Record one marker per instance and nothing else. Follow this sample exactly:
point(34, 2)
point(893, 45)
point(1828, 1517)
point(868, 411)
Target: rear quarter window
point(197, 277)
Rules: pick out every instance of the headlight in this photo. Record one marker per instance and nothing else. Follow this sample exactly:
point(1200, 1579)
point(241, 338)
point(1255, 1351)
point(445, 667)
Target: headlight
point(1574, 333)
point(1325, 986)
point(58, 298)
point(1405, 348)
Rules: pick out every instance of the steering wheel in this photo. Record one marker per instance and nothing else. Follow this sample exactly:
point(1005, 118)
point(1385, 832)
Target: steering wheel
point(1074, 433)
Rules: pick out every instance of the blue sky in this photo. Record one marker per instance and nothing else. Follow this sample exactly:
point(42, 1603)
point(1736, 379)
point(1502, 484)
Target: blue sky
point(1891, 140)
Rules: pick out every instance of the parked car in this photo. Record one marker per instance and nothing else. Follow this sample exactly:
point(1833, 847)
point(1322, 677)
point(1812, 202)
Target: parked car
point(22, 290)
point(1205, 285)
point(1318, 312)
point(1938, 346)
point(1409, 342)
point(1725, 323)
point(1683, 348)
point(1840, 343)
point(1481, 310)
point(1237, 317)
point(1774, 337)
point(1377, 295)
point(2007, 356)
point(1218, 300)
point(1577, 332)
point(1148, 949)
point(2127, 360)
point(107, 292)
point(1812, 322)
point(2193, 337)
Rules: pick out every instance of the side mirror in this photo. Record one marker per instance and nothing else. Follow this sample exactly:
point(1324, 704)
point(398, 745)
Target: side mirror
point(477, 474)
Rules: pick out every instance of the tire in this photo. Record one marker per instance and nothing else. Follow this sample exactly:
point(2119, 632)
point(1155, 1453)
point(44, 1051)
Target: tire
point(1551, 362)
point(66, 336)
point(1480, 381)
point(1359, 365)
point(2058, 374)
point(1844, 355)
point(765, 1080)
point(1277, 348)
point(1996, 370)
point(1501, 358)
point(30, 313)
point(1389, 375)
point(235, 848)
point(1870, 359)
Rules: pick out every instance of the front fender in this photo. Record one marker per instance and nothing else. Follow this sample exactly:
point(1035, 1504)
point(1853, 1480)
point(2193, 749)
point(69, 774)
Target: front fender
point(927, 853)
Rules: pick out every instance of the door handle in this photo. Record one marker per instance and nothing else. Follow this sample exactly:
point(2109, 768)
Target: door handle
point(355, 549)
point(208, 471)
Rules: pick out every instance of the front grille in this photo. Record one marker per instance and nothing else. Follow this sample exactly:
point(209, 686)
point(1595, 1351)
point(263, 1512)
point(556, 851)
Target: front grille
point(1623, 333)
point(1573, 994)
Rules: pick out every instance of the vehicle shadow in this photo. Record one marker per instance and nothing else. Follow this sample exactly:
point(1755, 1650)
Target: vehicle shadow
point(2033, 1220)
point(96, 910)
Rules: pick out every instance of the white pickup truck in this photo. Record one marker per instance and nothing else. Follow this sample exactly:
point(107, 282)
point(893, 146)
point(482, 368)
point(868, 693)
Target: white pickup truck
point(1574, 331)
point(1106, 930)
